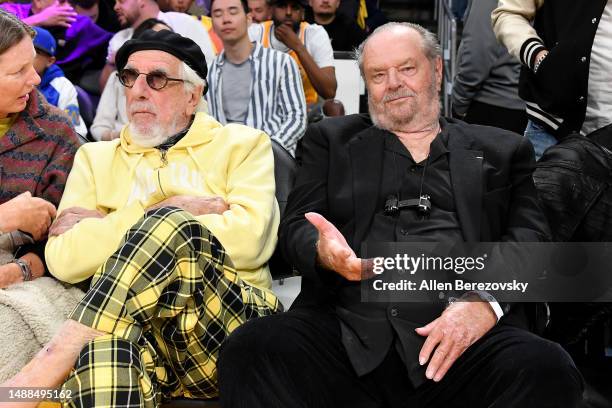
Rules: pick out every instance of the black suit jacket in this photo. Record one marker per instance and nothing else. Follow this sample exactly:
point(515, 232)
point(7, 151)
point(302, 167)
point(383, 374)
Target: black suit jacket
point(339, 177)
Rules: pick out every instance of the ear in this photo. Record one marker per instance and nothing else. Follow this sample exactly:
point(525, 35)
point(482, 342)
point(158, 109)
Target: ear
point(439, 68)
point(194, 99)
point(50, 61)
point(249, 17)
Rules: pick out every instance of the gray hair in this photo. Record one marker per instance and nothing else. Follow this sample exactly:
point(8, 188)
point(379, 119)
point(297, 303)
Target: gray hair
point(429, 41)
point(13, 31)
point(193, 80)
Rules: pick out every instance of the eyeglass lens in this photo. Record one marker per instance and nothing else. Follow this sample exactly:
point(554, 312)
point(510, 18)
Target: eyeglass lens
point(156, 80)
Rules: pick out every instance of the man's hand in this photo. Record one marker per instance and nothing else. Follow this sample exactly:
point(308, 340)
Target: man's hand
point(460, 326)
point(26, 213)
point(71, 217)
point(57, 14)
point(194, 205)
point(287, 36)
point(333, 252)
point(538, 59)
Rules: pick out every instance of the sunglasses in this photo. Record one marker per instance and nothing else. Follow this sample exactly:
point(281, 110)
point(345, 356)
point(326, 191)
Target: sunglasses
point(156, 80)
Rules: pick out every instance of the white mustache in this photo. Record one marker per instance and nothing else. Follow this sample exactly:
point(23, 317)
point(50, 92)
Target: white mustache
point(142, 106)
point(397, 94)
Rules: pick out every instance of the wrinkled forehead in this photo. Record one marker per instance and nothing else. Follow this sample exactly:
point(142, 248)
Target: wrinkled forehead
point(392, 48)
point(154, 60)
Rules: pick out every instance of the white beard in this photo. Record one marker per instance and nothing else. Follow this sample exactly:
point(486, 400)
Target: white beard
point(150, 134)
point(151, 137)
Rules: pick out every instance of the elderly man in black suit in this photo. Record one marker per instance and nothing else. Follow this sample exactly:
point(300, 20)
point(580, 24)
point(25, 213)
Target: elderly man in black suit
point(333, 350)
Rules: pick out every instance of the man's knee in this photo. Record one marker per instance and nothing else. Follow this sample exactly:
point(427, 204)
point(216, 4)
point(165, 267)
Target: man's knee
point(166, 223)
point(106, 349)
point(544, 364)
point(253, 338)
point(269, 338)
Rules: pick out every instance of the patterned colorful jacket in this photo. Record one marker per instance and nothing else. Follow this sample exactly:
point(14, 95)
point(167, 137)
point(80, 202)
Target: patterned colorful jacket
point(36, 153)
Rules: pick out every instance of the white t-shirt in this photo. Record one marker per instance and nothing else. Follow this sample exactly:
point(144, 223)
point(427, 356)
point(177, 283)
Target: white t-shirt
point(316, 40)
point(599, 100)
point(69, 103)
point(181, 23)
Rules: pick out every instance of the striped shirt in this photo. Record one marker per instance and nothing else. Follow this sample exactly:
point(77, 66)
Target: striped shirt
point(277, 105)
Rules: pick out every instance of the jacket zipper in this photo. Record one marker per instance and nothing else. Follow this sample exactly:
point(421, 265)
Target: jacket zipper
point(164, 158)
point(164, 163)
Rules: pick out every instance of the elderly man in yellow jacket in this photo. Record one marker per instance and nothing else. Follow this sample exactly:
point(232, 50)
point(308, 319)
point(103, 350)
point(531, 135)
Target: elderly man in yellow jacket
point(175, 222)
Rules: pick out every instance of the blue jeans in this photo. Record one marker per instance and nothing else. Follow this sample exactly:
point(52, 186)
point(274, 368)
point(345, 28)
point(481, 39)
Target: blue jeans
point(539, 138)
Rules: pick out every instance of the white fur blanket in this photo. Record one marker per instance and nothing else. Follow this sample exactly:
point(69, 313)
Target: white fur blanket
point(30, 314)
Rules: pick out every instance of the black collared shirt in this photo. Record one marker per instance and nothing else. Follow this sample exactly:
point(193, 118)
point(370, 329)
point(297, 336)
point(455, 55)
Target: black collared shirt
point(405, 179)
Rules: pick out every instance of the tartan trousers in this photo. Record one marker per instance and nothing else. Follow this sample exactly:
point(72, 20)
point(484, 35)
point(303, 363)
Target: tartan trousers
point(168, 298)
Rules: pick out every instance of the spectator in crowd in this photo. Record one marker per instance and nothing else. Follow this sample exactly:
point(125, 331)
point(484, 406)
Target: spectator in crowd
point(333, 349)
point(182, 215)
point(111, 114)
point(260, 10)
point(132, 13)
point(181, 6)
point(190, 7)
point(307, 44)
point(80, 41)
point(55, 87)
point(193, 7)
point(37, 146)
point(564, 49)
point(366, 13)
point(485, 89)
point(107, 18)
point(345, 34)
point(88, 8)
point(256, 86)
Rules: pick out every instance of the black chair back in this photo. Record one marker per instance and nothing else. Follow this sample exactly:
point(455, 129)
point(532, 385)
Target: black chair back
point(285, 168)
point(86, 106)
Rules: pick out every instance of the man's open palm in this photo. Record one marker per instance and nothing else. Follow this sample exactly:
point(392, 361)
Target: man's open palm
point(333, 251)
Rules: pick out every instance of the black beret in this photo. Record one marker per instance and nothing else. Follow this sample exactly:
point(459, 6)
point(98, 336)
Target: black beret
point(168, 41)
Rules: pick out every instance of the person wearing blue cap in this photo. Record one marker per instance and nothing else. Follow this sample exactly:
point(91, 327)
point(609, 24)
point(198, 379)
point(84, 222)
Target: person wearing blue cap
point(57, 89)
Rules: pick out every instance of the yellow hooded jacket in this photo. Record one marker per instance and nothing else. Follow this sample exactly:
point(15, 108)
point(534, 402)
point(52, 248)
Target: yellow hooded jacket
point(121, 179)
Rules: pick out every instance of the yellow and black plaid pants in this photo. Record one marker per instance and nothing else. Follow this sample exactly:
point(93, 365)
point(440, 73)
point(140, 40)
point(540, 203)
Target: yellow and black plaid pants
point(168, 298)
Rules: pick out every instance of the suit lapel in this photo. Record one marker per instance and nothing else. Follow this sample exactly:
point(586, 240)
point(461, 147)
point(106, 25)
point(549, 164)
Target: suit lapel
point(366, 152)
point(466, 179)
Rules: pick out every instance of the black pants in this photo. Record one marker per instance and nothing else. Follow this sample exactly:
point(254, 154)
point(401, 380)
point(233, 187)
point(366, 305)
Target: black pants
point(296, 359)
point(484, 114)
